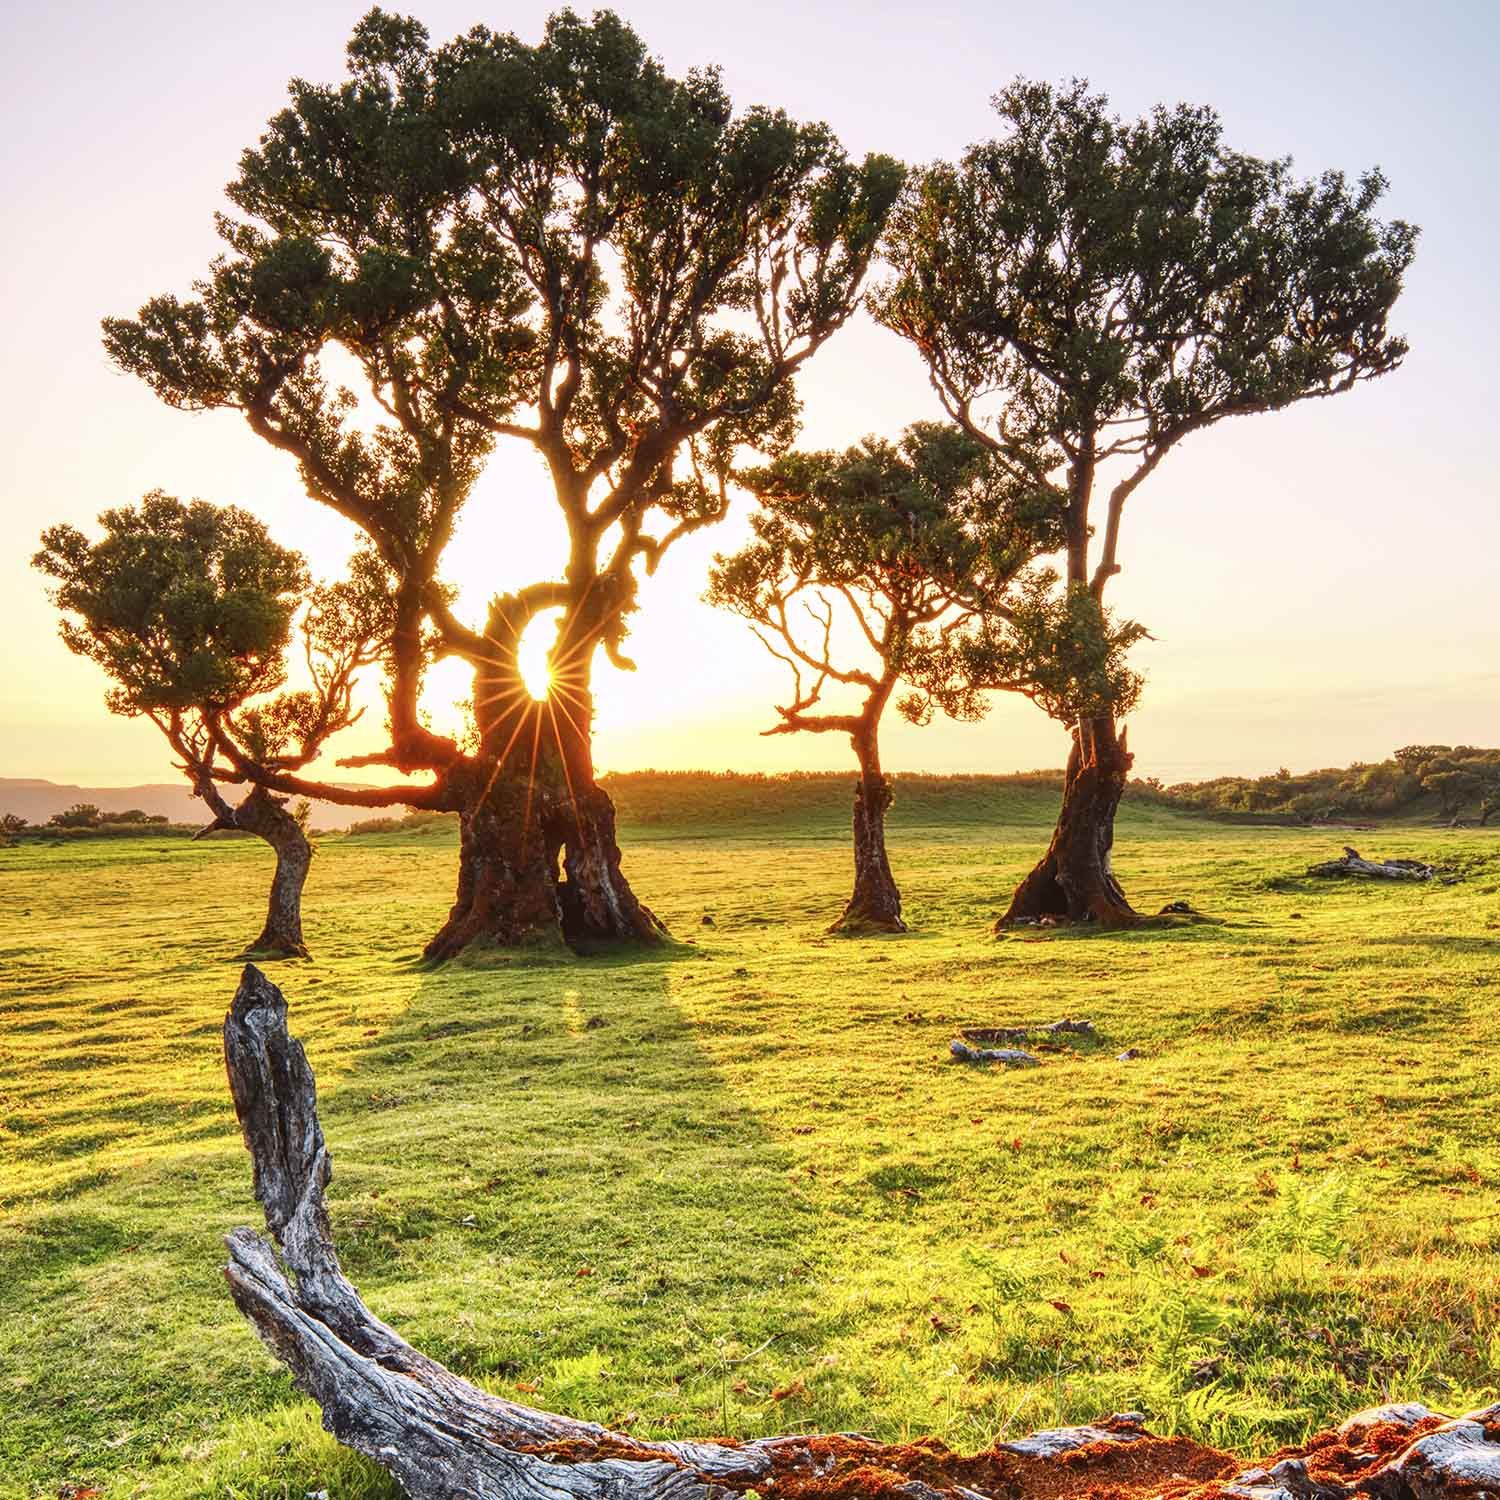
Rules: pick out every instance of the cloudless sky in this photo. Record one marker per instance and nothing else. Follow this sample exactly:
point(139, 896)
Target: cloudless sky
point(1321, 584)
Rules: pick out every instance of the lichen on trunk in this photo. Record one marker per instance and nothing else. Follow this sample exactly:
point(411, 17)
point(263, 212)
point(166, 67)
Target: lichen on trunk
point(1073, 881)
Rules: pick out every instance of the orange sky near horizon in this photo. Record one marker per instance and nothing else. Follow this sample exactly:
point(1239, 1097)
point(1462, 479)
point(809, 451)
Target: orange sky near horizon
point(1319, 583)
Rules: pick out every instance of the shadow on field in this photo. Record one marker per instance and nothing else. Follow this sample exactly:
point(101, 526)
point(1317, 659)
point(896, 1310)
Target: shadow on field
point(1488, 947)
point(538, 1159)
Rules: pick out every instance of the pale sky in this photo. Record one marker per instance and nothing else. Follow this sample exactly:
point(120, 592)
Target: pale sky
point(1321, 583)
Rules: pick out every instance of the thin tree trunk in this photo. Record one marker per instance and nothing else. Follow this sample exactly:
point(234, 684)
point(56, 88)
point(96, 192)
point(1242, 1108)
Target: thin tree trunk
point(1073, 881)
point(876, 902)
point(264, 814)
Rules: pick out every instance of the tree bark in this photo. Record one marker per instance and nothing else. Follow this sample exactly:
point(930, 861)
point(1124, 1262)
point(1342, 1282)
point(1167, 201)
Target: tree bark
point(1073, 880)
point(444, 1439)
point(264, 814)
point(507, 864)
point(876, 902)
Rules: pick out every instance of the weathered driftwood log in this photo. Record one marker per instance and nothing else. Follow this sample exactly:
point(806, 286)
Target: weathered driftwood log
point(445, 1439)
point(1353, 863)
point(974, 1044)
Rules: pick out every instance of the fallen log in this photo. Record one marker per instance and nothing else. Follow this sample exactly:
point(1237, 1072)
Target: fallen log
point(444, 1439)
point(1353, 863)
point(1012, 1056)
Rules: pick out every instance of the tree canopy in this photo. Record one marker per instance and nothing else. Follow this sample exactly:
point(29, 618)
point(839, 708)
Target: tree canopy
point(191, 608)
point(1088, 291)
point(909, 540)
point(558, 244)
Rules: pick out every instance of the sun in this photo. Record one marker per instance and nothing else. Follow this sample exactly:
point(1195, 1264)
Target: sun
point(531, 657)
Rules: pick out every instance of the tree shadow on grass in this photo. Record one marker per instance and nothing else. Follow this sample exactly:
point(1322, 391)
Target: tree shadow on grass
point(1486, 947)
point(534, 1161)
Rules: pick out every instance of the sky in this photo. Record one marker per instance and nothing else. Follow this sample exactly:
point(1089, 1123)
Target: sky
point(1320, 584)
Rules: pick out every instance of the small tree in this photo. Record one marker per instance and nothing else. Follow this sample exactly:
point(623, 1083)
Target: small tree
point(189, 608)
point(906, 542)
point(80, 815)
point(558, 246)
point(1087, 292)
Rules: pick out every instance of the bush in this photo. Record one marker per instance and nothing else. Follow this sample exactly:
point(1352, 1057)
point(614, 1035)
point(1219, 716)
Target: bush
point(416, 821)
point(135, 815)
point(80, 815)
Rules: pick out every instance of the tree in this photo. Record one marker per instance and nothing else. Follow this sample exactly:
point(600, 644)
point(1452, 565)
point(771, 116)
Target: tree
point(190, 609)
point(1086, 293)
point(555, 245)
point(909, 540)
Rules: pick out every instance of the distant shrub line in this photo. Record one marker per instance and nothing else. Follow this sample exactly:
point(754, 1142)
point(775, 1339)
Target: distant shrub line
point(1449, 780)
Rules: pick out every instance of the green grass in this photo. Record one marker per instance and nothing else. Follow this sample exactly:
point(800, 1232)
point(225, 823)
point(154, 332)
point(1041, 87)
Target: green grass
point(760, 1197)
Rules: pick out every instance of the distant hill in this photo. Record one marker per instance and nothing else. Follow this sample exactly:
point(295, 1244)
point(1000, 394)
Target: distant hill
point(36, 801)
point(1418, 783)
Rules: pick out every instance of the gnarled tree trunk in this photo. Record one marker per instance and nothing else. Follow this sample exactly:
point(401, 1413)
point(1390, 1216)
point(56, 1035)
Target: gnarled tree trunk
point(444, 1439)
point(597, 902)
point(264, 814)
point(876, 902)
point(1073, 880)
point(539, 861)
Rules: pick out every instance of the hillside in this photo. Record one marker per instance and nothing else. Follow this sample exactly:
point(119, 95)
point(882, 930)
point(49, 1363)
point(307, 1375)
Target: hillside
point(36, 800)
point(806, 804)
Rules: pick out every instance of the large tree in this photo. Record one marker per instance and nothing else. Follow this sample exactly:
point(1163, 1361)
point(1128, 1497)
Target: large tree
point(190, 609)
point(900, 544)
point(555, 245)
point(1087, 292)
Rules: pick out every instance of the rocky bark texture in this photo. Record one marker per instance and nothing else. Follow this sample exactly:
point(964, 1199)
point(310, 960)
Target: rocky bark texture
point(1073, 881)
point(444, 1439)
point(539, 859)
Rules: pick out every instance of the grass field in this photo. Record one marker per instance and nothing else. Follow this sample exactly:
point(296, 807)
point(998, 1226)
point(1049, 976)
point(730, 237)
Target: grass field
point(738, 1186)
